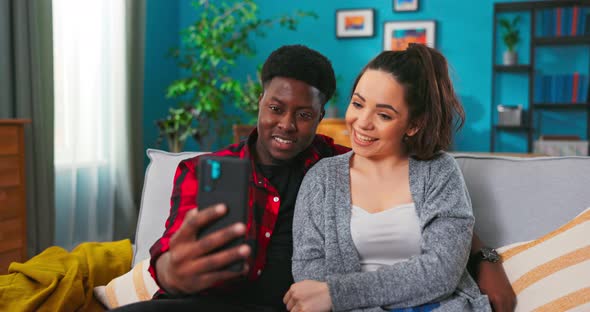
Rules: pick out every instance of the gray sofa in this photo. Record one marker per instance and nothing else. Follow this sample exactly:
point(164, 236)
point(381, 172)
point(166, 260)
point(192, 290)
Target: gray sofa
point(514, 199)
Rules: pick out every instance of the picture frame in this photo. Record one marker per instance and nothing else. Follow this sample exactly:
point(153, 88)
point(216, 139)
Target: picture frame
point(355, 23)
point(399, 34)
point(405, 5)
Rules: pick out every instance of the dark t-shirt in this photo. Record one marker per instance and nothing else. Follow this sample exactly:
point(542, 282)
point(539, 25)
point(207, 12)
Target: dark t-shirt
point(276, 279)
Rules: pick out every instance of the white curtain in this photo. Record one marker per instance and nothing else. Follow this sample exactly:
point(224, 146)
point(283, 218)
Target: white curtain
point(93, 180)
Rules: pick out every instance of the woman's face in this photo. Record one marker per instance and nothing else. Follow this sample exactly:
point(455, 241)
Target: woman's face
point(377, 117)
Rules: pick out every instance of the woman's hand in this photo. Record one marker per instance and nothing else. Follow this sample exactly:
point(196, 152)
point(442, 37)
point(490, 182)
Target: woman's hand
point(307, 296)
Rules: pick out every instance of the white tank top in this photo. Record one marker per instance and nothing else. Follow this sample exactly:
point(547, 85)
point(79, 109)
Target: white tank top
point(385, 237)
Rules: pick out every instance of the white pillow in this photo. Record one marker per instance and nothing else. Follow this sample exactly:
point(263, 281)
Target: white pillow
point(155, 199)
point(552, 273)
point(133, 286)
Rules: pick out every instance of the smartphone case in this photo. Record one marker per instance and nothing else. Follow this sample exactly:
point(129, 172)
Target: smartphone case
point(224, 180)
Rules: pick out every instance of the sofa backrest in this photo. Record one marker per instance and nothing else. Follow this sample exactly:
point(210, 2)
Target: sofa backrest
point(514, 199)
point(520, 199)
point(155, 199)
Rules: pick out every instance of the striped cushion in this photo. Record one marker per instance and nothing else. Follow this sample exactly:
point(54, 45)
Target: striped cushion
point(552, 273)
point(133, 286)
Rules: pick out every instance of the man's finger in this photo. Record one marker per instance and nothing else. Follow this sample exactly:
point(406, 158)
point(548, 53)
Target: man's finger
point(219, 260)
point(195, 219)
point(209, 279)
point(217, 239)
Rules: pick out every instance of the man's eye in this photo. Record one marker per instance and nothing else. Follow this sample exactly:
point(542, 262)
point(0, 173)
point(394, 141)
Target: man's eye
point(306, 115)
point(274, 108)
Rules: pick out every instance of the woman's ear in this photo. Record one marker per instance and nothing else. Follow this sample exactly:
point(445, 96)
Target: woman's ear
point(414, 128)
point(412, 131)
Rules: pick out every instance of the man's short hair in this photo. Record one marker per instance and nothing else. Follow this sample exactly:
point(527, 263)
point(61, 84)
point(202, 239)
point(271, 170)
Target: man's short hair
point(301, 63)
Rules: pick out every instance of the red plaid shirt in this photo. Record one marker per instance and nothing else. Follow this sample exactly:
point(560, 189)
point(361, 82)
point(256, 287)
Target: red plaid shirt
point(263, 197)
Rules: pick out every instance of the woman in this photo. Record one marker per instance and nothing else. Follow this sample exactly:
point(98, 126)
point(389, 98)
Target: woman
point(389, 224)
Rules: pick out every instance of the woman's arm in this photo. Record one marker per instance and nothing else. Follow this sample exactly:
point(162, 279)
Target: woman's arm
point(308, 262)
point(446, 240)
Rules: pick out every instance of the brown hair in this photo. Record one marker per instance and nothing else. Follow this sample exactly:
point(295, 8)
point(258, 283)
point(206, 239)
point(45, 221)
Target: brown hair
point(433, 105)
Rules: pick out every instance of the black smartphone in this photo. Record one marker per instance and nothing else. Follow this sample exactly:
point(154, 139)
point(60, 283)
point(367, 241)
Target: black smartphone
point(224, 180)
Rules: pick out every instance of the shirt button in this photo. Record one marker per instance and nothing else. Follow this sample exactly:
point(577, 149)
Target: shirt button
point(260, 182)
point(259, 272)
point(267, 234)
point(276, 199)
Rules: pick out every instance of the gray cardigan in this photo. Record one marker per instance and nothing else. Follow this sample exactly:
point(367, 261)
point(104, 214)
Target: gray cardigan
point(323, 249)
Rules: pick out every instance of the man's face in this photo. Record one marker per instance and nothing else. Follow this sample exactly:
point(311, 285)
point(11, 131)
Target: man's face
point(289, 113)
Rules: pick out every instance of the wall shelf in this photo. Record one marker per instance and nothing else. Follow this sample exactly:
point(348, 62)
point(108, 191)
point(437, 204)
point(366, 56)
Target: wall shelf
point(533, 9)
point(561, 106)
point(512, 128)
point(560, 41)
point(512, 68)
point(527, 6)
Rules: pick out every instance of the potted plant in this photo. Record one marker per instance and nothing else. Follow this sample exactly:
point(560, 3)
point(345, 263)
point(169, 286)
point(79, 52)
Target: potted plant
point(332, 105)
point(511, 37)
point(248, 95)
point(210, 49)
point(178, 126)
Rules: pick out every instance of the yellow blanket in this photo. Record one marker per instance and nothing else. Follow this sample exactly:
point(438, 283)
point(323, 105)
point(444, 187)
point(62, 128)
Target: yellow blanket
point(57, 280)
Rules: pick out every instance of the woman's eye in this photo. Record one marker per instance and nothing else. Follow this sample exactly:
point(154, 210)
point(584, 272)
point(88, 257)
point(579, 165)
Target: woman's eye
point(385, 117)
point(357, 104)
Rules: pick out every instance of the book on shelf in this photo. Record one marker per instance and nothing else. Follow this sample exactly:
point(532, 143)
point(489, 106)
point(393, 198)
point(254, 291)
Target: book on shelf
point(561, 88)
point(562, 22)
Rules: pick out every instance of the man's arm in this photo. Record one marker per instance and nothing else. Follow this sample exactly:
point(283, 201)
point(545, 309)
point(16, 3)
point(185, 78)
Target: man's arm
point(492, 281)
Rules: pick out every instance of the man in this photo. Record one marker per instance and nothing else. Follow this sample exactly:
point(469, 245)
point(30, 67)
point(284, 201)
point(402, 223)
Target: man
point(297, 84)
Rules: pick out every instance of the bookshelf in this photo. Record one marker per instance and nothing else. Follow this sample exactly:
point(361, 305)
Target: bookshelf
point(535, 30)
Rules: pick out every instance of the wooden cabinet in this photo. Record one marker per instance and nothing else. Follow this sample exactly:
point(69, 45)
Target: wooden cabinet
point(13, 231)
point(336, 129)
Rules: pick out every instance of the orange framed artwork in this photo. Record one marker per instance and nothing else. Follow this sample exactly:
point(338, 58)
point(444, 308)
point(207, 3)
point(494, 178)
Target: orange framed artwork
point(398, 35)
point(355, 23)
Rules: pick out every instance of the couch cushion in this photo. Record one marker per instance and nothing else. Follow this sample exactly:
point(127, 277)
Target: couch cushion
point(133, 286)
point(520, 199)
point(551, 273)
point(155, 199)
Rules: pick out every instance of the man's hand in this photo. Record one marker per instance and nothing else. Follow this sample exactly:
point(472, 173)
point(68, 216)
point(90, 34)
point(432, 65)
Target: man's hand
point(187, 267)
point(492, 281)
point(307, 296)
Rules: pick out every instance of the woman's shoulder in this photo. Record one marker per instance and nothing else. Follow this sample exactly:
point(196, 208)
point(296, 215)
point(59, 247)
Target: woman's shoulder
point(441, 166)
point(330, 163)
point(440, 161)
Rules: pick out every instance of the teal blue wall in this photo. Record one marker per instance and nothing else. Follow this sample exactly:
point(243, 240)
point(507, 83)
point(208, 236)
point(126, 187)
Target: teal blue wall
point(463, 35)
point(162, 27)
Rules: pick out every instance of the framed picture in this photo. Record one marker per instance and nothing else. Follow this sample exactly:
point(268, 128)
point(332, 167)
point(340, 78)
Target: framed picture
point(355, 23)
point(398, 35)
point(405, 5)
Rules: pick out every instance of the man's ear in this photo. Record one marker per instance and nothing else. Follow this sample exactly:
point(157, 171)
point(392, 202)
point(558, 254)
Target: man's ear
point(322, 114)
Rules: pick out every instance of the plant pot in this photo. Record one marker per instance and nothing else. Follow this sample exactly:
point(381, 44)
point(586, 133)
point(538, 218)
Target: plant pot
point(332, 111)
point(175, 146)
point(510, 58)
